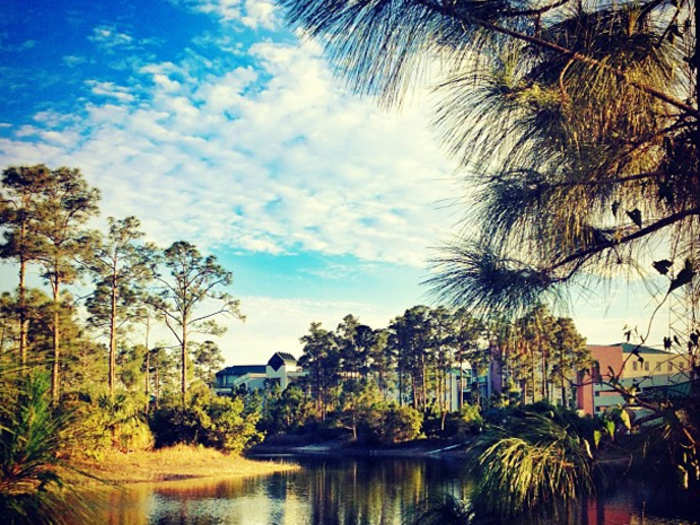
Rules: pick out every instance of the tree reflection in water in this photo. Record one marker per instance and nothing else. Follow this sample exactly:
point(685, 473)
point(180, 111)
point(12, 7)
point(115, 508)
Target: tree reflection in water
point(335, 491)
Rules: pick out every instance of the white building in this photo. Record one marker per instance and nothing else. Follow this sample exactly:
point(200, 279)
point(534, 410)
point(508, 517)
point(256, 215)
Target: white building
point(281, 369)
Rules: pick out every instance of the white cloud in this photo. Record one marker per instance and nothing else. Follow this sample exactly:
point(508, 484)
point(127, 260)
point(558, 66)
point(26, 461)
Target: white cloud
point(109, 89)
point(252, 341)
point(254, 14)
point(73, 60)
point(107, 36)
point(260, 13)
point(275, 157)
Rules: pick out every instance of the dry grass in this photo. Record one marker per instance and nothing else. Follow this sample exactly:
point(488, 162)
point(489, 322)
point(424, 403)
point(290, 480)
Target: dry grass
point(180, 462)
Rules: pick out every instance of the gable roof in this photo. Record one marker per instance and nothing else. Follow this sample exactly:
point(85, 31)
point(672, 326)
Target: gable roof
point(240, 370)
point(286, 357)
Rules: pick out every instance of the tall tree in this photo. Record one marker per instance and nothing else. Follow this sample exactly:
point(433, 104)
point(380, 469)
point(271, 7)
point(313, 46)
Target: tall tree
point(382, 360)
point(411, 336)
point(65, 203)
point(321, 359)
point(194, 282)
point(570, 354)
point(468, 331)
point(21, 187)
point(121, 266)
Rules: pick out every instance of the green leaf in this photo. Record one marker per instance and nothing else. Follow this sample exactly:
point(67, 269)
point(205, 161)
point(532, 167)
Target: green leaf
point(625, 418)
point(610, 428)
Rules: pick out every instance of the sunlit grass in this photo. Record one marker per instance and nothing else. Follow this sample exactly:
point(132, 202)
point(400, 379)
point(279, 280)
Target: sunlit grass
point(174, 463)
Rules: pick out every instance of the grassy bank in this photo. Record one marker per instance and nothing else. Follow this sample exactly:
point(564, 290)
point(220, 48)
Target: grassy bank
point(170, 464)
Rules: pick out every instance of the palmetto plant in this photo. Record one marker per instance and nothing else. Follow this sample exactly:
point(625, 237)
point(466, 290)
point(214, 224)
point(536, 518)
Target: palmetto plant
point(30, 489)
point(532, 459)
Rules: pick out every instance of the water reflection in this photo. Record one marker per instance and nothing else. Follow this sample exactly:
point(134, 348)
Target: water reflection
point(329, 492)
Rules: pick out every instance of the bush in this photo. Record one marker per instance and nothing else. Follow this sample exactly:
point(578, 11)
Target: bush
point(30, 490)
point(397, 424)
point(209, 420)
point(103, 425)
point(465, 423)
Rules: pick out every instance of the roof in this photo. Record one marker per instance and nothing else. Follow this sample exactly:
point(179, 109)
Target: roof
point(629, 347)
point(287, 358)
point(241, 370)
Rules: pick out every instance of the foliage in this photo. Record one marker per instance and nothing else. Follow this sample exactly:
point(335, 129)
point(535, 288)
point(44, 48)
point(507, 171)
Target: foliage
point(285, 410)
point(469, 421)
point(397, 424)
point(29, 438)
point(193, 279)
point(102, 424)
point(535, 456)
point(206, 419)
point(30, 489)
point(361, 404)
point(207, 360)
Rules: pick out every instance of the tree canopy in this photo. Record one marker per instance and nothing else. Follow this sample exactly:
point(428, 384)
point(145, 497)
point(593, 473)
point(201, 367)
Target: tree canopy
point(575, 123)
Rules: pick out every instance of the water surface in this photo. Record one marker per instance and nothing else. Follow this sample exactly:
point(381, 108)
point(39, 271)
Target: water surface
point(341, 491)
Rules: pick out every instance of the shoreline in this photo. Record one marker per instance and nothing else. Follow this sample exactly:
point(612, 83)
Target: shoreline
point(167, 467)
point(334, 448)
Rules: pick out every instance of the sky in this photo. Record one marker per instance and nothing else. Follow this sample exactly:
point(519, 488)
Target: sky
point(215, 123)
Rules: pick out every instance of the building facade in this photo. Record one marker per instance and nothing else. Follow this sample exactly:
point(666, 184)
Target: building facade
point(281, 369)
point(643, 367)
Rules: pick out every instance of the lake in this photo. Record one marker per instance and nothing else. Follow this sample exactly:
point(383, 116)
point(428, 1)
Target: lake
point(324, 491)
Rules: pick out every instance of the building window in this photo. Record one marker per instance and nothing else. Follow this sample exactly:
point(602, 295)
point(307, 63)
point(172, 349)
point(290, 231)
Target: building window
point(658, 366)
point(670, 367)
point(635, 365)
point(646, 365)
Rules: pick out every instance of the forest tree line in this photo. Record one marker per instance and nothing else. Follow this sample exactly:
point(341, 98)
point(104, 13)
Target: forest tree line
point(89, 328)
point(410, 361)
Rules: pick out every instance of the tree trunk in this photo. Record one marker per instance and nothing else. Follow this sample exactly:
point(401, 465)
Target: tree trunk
point(532, 373)
point(113, 335)
point(22, 307)
point(460, 399)
point(183, 356)
point(157, 385)
point(56, 343)
point(544, 369)
point(148, 364)
point(561, 374)
point(424, 391)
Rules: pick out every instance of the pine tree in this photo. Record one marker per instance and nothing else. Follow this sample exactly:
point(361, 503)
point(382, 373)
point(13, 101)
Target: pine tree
point(64, 204)
point(19, 214)
point(121, 266)
point(192, 281)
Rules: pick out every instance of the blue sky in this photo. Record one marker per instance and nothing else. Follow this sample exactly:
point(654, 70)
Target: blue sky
point(214, 123)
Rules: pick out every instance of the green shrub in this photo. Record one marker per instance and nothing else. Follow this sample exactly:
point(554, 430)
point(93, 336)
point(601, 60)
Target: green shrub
point(209, 420)
point(102, 424)
point(397, 424)
point(31, 493)
point(534, 457)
